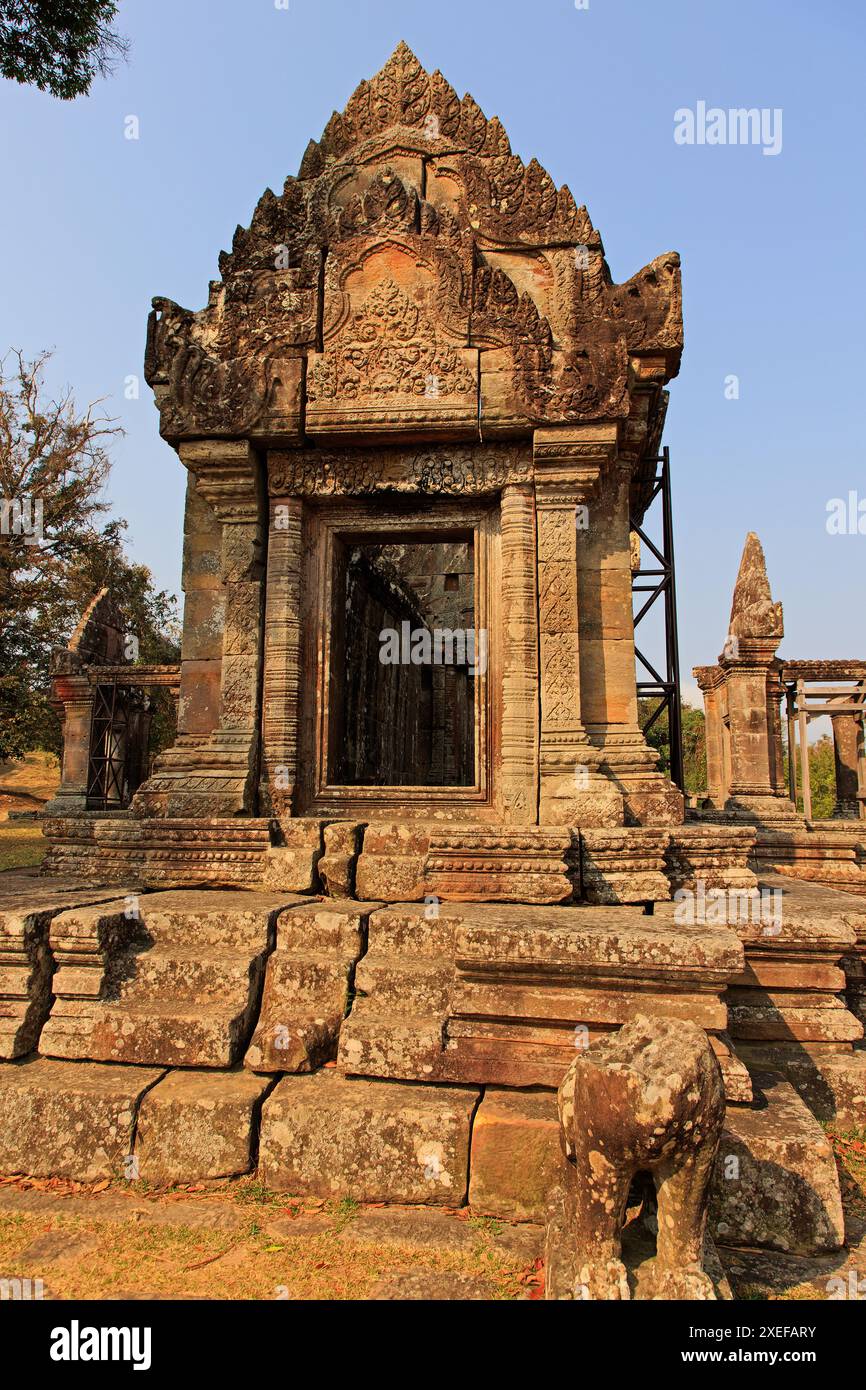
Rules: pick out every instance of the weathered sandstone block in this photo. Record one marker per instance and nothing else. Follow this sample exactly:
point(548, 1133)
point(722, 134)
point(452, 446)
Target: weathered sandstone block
point(502, 994)
point(308, 985)
point(624, 866)
point(198, 1124)
point(342, 841)
point(372, 1141)
point(164, 979)
point(293, 865)
point(716, 856)
point(391, 863)
point(515, 1154)
point(69, 1119)
point(775, 1181)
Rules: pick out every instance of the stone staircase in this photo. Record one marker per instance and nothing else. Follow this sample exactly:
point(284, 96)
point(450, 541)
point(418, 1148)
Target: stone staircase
point(165, 979)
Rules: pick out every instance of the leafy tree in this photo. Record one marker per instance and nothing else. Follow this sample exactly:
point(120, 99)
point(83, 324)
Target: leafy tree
point(694, 742)
point(59, 45)
point(822, 778)
point(57, 551)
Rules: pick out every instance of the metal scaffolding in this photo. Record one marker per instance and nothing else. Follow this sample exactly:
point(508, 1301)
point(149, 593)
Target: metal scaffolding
point(662, 582)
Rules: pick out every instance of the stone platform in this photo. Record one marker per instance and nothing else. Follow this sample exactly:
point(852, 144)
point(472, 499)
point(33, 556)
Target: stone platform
point(161, 1035)
point(406, 860)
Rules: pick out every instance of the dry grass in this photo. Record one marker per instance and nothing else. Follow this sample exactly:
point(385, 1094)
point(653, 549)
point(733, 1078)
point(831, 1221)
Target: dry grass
point(22, 846)
point(33, 779)
point(86, 1257)
point(92, 1259)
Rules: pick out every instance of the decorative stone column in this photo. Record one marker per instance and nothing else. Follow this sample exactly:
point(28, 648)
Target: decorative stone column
point(73, 696)
point(608, 675)
point(203, 620)
point(750, 671)
point(568, 465)
point(217, 775)
point(518, 723)
point(282, 681)
point(712, 686)
point(847, 741)
point(775, 695)
point(746, 679)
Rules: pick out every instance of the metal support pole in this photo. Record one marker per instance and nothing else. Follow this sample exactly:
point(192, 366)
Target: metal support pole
point(663, 581)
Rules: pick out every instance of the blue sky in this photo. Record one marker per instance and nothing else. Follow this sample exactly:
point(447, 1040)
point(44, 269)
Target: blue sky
point(228, 92)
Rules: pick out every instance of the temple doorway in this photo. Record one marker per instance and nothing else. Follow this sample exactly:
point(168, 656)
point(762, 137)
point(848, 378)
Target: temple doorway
point(405, 654)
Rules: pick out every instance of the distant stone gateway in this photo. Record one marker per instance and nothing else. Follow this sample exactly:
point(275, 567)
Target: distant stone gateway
point(417, 893)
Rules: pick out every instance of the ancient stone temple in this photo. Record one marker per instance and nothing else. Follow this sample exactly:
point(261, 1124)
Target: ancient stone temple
point(410, 856)
point(415, 397)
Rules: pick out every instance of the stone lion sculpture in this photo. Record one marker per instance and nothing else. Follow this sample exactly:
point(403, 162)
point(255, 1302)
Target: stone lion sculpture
point(648, 1099)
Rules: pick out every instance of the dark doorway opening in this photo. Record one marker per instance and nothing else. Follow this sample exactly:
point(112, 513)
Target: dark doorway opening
point(404, 659)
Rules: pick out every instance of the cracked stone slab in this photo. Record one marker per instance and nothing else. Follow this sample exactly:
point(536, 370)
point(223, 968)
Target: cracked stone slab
point(69, 1119)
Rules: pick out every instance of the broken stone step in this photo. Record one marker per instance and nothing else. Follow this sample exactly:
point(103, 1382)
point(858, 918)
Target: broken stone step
point(26, 963)
point(775, 1182)
point(69, 1119)
point(303, 1007)
point(195, 1125)
point(373, 1141)
point(192, 975)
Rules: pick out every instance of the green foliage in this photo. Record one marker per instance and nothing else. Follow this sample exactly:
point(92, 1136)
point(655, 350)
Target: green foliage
point(59, 45)
point(822, 778)
point(55, 456)
point(694, 742)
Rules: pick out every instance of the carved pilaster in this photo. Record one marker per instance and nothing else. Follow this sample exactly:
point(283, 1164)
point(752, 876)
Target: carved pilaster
point(710, 680)
point(519, 625)
point(218, 775)
point(568, 466)
point(280, 714)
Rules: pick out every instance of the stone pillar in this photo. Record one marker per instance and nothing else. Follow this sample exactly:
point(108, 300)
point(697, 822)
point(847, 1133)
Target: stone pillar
point(847, 739)
point(203, 619)
point(754, 791)
point(74, 694)
point(775, 695)
point(568, 466)
point(282, 679)
point(708, 680)
point(518, 721)
point(215, 773)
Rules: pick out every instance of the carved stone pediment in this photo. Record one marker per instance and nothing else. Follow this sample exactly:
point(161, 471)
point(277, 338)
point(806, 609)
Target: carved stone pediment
point(416, 276)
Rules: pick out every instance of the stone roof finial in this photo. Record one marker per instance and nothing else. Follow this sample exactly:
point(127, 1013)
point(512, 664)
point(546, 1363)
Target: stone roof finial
point(753, 612)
